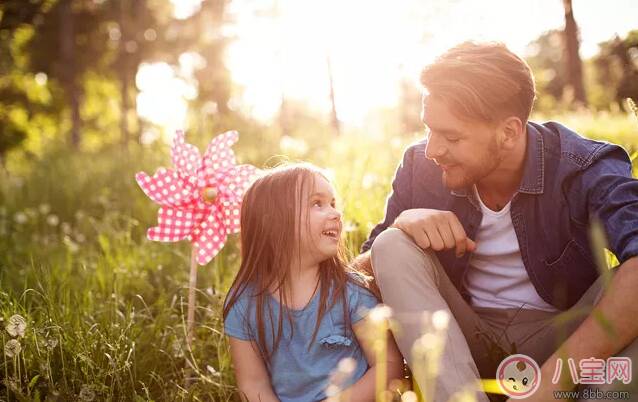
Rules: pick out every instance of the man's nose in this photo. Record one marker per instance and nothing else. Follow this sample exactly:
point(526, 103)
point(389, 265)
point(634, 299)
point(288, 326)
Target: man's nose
point(434, 148)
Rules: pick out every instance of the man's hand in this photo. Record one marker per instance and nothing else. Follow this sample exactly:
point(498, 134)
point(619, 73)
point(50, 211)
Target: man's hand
point(438, 230)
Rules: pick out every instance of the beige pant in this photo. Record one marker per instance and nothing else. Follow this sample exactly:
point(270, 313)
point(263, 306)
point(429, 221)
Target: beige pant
point(412, 281)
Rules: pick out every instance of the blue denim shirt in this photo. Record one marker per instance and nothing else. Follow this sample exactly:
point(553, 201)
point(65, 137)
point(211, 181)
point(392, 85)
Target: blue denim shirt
point(567, 180)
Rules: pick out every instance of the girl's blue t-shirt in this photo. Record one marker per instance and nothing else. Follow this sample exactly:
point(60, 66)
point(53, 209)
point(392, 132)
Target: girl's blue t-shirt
point(299, 371)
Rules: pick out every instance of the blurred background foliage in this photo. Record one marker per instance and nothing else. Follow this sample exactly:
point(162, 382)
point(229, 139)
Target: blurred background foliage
point(104, 306)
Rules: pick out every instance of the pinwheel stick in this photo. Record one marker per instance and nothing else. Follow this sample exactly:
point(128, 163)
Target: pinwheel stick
point(190, 317)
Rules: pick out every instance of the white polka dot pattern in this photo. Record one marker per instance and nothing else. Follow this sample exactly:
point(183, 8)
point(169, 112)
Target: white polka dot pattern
point(184, 214)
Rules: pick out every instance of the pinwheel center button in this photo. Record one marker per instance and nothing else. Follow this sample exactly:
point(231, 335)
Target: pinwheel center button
point(209, 194)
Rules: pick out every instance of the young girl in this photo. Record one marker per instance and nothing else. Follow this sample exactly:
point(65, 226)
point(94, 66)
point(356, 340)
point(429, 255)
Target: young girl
point(294, 312)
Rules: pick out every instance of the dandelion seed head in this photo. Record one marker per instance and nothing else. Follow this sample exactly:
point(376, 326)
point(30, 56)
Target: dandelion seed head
point(53, 220)
point(87, 393)
point(12, 348)
point(11, 383)
point(16, 325)
point(52, 343)
point(20, 218)
point(44, 209)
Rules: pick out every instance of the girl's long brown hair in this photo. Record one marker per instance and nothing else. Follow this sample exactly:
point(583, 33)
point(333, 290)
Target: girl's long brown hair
point(271, 218)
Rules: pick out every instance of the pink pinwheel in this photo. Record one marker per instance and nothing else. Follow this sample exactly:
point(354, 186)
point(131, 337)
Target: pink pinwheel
point(200, 199)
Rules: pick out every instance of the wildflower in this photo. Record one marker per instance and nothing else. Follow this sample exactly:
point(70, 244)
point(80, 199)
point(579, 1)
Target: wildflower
point(16, 326)
point(53, 220)
point(44, 209)
point(20, 218)
point(12, 348)
point(87, 393)
point(212, 370)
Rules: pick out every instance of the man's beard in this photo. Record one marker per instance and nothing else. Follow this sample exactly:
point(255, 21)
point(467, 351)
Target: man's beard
point(462, 176)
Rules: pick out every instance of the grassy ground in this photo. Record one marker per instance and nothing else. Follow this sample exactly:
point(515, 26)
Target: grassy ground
point(104, 308)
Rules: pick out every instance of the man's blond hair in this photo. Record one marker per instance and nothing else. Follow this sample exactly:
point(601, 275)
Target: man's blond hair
point(485, 82)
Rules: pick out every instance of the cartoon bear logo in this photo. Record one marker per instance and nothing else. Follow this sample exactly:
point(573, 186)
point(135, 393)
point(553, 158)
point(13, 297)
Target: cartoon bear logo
point(518, 376)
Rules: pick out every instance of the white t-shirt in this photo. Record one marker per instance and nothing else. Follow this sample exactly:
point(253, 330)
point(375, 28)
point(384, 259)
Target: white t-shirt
point(497, 277)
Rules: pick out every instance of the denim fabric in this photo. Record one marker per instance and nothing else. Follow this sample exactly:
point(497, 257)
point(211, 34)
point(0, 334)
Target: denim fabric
point(567, 182)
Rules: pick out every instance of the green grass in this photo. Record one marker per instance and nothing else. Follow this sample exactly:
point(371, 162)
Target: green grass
point(105, 308)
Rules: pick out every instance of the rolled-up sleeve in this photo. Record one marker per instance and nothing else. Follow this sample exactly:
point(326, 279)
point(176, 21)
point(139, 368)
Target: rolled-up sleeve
point(398, 200)
point(612, 197)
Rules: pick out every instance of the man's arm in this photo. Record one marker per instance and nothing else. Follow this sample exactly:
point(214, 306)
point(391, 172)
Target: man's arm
point(618, 309)
point(611, 196)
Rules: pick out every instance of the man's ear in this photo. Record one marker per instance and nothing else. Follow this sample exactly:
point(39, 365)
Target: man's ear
point(512, 129)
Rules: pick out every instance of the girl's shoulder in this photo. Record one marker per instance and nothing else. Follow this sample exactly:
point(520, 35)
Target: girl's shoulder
point(360, 299)
point(238, 320)
point(358, 284)
point(241, 297)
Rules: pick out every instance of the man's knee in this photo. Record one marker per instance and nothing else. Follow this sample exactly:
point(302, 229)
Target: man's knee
point(389, 240)
point(394, 252)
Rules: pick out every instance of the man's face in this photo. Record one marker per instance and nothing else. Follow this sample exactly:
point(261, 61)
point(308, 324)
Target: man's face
point(466, 151)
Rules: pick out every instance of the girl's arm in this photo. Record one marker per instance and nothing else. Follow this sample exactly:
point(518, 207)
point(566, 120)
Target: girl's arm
point(252, 377)
point(364, 388)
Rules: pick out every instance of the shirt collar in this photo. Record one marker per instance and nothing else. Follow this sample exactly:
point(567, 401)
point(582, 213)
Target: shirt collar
point(533, 181)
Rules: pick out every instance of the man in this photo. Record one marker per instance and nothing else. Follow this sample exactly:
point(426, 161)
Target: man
point(489, 219)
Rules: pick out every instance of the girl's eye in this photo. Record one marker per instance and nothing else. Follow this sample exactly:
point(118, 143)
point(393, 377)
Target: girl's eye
point(316, 203)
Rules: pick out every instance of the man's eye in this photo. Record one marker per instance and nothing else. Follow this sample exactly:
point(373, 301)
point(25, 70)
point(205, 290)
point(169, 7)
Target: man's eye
point(453, 140)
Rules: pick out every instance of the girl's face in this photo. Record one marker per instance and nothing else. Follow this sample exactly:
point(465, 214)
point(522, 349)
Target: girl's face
point(321, 222)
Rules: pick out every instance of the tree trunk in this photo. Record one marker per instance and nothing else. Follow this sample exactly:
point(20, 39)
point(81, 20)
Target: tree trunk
point(122, 71)
point(69, 72)
point(336, 126)
point(573, 63)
